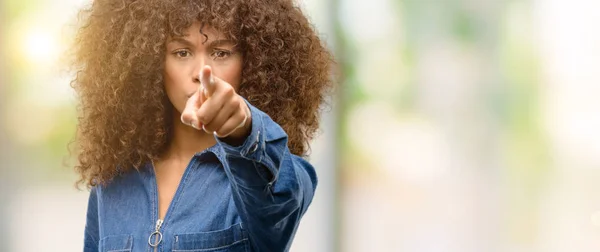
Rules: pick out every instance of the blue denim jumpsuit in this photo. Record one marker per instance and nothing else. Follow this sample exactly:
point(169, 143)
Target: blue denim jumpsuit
point(231, 198)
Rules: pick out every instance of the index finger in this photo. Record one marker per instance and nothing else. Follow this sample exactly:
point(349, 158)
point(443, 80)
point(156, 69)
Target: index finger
point(207, 81)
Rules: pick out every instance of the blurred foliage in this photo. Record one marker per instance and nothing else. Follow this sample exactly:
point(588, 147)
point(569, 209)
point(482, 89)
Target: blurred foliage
point(28, 79)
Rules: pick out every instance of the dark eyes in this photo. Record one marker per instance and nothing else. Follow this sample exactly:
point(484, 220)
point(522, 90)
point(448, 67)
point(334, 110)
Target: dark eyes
point(217, 54)
point(220, 54)
point(182, 53)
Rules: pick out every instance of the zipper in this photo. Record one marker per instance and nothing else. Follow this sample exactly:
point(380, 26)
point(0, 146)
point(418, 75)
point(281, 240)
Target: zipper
point(157, 234)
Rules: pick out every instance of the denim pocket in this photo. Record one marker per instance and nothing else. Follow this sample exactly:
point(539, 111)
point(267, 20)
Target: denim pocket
point(232, 239)
point(116, 243)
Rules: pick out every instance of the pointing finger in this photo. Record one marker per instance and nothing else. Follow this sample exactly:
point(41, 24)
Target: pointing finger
point(208, 81)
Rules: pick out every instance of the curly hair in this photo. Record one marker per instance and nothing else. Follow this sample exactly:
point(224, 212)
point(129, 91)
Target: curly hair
point(124, 114)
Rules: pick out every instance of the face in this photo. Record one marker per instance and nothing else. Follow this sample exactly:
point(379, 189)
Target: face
point(188, 54)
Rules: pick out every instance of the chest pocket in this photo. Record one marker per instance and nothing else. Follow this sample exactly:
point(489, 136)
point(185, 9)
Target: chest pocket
point(116, 243)
point(232, 239)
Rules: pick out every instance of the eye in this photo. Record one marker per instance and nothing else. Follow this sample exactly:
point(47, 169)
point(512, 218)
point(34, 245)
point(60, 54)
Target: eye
point(182, 53)
point(220, 54)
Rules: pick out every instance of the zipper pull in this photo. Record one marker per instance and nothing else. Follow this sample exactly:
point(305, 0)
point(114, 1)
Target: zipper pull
point(156, 233)
point(158, 225)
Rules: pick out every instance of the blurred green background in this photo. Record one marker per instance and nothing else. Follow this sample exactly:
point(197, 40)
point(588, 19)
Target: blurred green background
point(457, 125)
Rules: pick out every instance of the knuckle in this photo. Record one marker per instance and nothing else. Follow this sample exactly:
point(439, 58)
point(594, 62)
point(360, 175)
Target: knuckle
point(187, 116)
point(228, 90)
point(202, 117)
point(236, 103)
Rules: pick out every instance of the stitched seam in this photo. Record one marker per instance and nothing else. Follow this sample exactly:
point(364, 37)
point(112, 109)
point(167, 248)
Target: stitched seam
point(154, 195)
point(215, 231)
point(209, 249)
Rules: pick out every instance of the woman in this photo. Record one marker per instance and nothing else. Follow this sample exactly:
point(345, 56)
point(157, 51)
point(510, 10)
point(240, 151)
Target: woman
point(194, 117)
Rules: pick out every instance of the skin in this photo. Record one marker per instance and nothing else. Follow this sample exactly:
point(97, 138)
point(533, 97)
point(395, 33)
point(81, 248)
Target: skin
point(201, 80)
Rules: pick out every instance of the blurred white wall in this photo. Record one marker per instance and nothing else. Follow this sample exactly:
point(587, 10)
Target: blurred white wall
point(569, 47)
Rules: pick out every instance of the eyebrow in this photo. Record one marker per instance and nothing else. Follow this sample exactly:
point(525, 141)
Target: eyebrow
point(220, 42)
point(181, 40)
point(213, 43)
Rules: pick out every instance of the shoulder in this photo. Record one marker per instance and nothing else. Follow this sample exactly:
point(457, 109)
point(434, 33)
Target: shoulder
point(123, 183)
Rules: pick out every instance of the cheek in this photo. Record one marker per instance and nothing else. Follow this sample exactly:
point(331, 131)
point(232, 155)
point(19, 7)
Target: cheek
point(173, 75)
point(230, 73)
point(174, 86)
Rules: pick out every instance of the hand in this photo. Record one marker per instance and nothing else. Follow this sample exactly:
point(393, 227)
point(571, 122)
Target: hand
point(217, 108)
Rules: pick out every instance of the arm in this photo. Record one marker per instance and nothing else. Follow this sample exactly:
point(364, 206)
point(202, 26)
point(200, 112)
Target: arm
point(272, 188)
point(90, 240)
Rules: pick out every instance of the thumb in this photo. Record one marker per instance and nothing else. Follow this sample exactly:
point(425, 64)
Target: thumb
point(188, 115)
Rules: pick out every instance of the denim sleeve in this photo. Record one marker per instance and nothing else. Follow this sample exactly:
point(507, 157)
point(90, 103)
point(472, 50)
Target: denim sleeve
point(272, 188)
point(90, 241)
